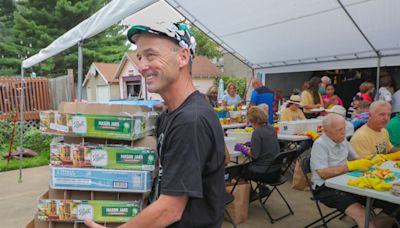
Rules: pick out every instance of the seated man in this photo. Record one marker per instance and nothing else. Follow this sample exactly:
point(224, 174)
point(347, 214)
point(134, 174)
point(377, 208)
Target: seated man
point(372, 138)
point(393, 128)
point(340, 110)
point(329, 158)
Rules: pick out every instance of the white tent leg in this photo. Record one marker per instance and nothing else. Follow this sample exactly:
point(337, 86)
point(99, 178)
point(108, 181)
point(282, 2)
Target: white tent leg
point(80, 66)
point(21, 126)
point(378, 76)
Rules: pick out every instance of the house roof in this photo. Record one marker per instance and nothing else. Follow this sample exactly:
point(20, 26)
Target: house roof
point(107, 70)
point(133, 57)
point(203, 67)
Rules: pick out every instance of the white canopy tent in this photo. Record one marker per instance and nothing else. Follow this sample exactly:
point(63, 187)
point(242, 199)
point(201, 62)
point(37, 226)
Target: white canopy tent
point(275, 36)
point(270, 36)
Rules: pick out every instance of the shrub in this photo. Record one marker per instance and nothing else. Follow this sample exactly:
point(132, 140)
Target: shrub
point(35, 140)
point(5, 131)
point(240, 84)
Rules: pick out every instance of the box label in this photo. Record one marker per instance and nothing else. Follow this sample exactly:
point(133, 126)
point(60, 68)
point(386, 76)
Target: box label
point(79, 124)
point(121, 126)
point(116, 211)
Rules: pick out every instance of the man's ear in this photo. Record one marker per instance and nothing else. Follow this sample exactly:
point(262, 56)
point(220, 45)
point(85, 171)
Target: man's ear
point(184, 57)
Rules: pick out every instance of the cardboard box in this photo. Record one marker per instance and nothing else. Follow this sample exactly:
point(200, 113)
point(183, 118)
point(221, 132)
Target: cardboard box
point(78, 210)
point(85, 195)
point(99, 120)
point(100, 179)
point(91, 155)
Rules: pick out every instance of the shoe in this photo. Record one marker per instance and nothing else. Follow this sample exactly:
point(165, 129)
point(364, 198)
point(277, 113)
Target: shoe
point(263, 191)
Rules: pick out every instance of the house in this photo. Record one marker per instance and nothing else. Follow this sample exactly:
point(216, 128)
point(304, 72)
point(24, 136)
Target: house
point(100, 84)
point(132, 85)
point(204, 73)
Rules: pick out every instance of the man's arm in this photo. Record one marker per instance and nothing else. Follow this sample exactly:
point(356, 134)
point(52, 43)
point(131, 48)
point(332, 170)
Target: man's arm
point(163, 212)
point(394, 149)
point(329, 172)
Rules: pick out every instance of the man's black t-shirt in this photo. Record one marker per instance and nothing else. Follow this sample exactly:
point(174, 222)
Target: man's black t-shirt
point(191, 152)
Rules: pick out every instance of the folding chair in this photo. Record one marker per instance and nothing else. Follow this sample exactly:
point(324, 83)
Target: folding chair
point(305, 166)
point(284, 160)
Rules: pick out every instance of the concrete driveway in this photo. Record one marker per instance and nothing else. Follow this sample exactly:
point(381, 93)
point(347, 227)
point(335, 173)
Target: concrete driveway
point(18, 202)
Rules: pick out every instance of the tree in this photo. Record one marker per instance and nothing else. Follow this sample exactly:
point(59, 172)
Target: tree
point(37, 23)
point(205, 46)
point(6, 21)
point(240, 83)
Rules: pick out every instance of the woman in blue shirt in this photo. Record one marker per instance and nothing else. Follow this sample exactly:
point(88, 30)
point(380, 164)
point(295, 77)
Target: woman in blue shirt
point(231, 98)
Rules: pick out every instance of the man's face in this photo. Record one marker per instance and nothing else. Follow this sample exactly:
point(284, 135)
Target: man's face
point(380, 116)
point(158, 62)
point(336, 131)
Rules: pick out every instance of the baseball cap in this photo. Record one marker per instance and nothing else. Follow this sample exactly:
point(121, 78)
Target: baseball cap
point(177, 32)
point(337, 109)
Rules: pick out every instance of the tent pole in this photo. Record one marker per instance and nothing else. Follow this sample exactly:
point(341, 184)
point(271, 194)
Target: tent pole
point(21, 125)
point(80, 65)
point(378, 76)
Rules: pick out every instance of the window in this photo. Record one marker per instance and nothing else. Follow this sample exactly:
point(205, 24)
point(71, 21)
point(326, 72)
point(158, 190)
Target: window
point(133, 90)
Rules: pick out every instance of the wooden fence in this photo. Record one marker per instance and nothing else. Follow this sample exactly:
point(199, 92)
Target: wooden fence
point(61, 89)
point(36, 92)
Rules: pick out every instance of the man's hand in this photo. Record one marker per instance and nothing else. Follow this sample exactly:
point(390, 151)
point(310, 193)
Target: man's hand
point(361, 164)
point(91, 224)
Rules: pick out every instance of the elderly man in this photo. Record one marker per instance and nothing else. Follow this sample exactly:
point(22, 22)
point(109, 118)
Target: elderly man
point(190, 187)
point(372, 138)
point(263, 95)
point(330, 157)
point(340, 110)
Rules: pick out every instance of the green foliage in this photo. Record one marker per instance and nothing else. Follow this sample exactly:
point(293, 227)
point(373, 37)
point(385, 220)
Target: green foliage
point(42, 159)
point(35, 24)
point(5, 131)
point(240, 84)
point(205, 46)
point(34, 139)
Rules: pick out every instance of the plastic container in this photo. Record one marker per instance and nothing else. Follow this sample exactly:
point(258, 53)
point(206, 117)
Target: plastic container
point(312, 124)
point(291, 127)
point(241, 137)
point(221, 114)
point(230, 143)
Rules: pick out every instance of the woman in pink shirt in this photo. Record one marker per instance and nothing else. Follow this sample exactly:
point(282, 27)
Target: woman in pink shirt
point(330, 99)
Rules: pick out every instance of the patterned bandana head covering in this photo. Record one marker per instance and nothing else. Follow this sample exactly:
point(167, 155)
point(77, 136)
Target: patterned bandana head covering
point(178, 32)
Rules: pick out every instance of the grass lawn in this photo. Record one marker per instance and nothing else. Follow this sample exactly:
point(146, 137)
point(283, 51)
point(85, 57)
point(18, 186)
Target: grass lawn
point(42, 159)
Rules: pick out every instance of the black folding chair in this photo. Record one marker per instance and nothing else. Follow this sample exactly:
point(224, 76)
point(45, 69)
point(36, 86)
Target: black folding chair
point(305, 166)
point(284, 160)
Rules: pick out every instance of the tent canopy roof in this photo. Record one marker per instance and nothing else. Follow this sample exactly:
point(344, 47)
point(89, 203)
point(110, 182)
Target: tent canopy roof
point(301, 35)
point(271, 35)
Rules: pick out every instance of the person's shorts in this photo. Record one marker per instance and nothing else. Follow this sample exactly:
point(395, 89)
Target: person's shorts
point(337, 199)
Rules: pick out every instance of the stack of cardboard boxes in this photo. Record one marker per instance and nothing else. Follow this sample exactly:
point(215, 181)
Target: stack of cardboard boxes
point(104, 167)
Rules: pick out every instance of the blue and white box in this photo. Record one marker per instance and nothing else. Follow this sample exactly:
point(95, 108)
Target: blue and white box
point(100, 179)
